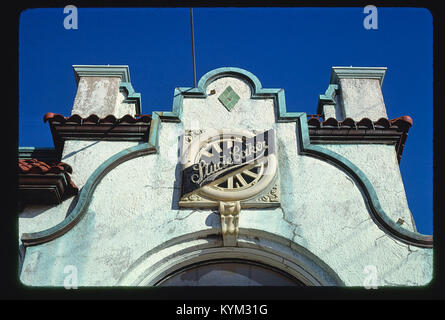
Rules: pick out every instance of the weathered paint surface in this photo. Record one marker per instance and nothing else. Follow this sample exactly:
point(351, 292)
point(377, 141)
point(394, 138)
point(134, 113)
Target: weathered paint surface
point(379, 163)
point(329, 111)
point(134, 209)
point(246, 114)
point(96, 95)
point(362, 98)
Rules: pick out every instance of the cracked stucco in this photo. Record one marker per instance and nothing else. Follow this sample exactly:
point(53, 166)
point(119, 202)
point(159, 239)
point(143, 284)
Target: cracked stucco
point(135, 206)
point(362, 98)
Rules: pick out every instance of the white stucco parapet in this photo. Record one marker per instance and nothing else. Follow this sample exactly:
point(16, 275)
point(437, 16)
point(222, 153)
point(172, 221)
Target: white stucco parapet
point(360, 92)
point(100, 91)
point(325, 231)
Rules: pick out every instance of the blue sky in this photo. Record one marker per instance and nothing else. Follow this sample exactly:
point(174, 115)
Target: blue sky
point(289, 48)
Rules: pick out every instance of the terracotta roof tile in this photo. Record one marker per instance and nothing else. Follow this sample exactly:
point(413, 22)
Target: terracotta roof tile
point(35, 166)
point(314, 122)
point(94, 119)
point(365, 122)
point(348, 122)
point(382, 123)
point(109, 119)
point(367, 131)
point(75, 118)
point(45, 182)
point(402, 123)
point(331, 122)
point(92, 127)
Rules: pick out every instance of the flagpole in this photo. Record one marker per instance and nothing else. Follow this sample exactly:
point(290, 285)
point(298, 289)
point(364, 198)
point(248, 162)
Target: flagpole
point(193, 47)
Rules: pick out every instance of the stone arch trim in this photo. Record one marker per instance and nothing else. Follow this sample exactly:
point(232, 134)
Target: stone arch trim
point(253, 245)
point(228, 261)
point(215, 74)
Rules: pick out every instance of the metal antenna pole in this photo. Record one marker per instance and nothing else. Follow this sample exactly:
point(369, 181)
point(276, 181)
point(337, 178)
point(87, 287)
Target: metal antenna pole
point(193, 47)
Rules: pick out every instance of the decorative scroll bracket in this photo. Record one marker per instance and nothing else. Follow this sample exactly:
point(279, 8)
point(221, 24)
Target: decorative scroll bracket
point(229, 212)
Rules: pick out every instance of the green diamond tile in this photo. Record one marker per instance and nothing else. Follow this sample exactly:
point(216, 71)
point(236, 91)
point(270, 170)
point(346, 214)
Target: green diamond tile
point(229, 98)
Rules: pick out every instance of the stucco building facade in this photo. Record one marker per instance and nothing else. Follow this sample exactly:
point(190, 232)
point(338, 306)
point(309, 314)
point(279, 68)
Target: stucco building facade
point(228, 188)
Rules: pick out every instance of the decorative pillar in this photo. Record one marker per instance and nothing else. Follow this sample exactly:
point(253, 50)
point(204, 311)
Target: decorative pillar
point(102, 90)
point(99, 90)
point(359, 92)
point(229, 212)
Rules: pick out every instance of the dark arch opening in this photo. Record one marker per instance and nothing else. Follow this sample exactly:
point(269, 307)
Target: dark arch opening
point(229, 272)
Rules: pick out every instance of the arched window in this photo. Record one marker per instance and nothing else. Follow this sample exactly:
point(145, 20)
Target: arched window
point(229, 272)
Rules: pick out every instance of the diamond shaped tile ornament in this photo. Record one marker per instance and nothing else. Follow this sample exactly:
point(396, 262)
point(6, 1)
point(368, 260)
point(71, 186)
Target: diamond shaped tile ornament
point(229, 98)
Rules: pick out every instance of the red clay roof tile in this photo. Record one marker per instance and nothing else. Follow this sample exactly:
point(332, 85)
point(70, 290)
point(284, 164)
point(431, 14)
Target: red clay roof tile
point(365, 122)
point(38, 178)
point(402, 123)
point(39, 167)
point(94, 119)
point(332, 130)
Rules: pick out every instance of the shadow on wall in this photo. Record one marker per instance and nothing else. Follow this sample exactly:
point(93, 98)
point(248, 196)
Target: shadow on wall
point(77, 151)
